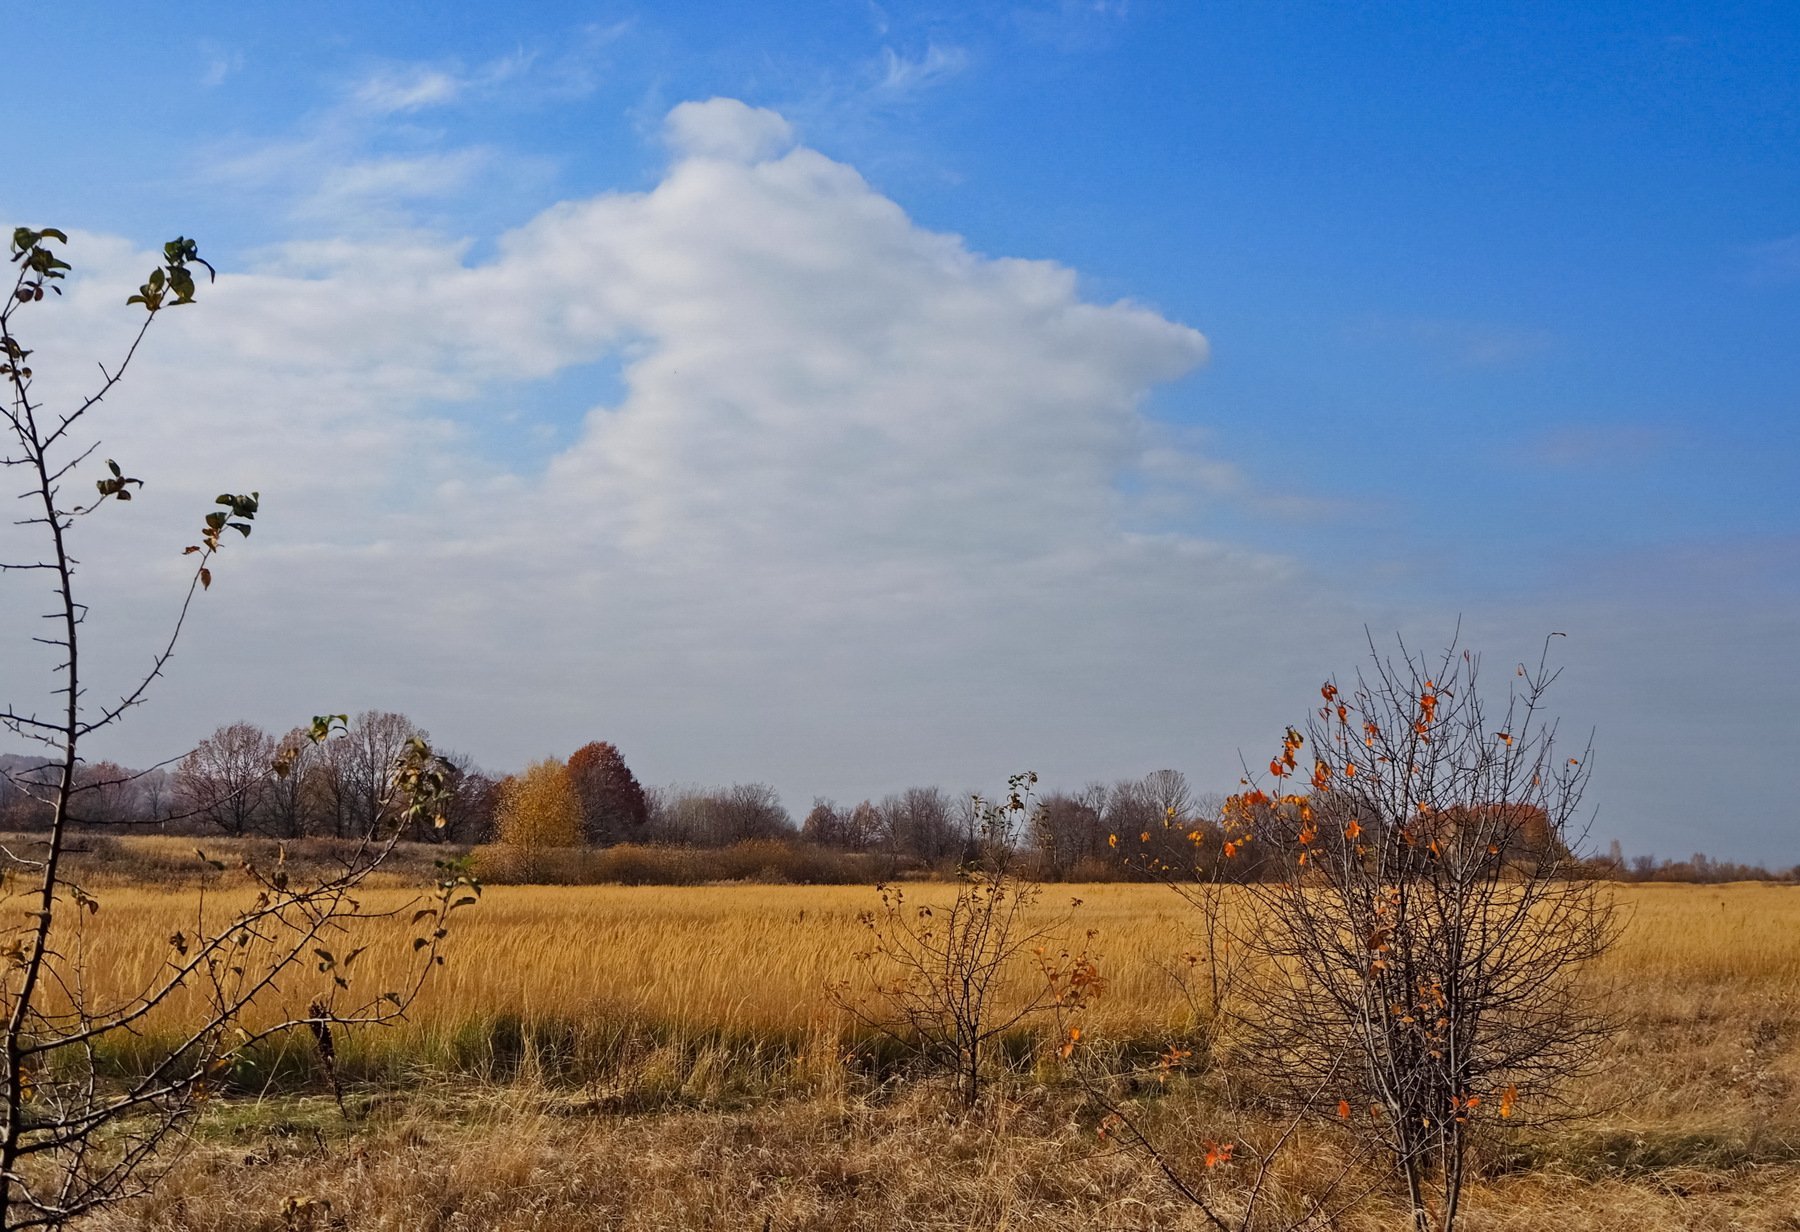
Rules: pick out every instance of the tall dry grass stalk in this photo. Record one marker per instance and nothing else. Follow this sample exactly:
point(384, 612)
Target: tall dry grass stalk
point(569, 974)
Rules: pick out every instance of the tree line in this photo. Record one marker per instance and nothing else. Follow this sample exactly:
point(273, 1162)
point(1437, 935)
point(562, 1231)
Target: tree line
point(228, 784)
point(337, 788)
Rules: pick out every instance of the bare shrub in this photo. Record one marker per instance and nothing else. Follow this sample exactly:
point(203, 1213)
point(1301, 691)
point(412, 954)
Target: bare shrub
point(948, 980)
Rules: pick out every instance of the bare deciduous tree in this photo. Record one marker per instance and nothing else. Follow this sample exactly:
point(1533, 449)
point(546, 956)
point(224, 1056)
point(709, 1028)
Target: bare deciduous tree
point(291, 798)
point(360, 761)
point(225, 780)
point(1068, 829)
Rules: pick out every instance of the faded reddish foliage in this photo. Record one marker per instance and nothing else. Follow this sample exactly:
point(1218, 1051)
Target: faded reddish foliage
point(613, 807)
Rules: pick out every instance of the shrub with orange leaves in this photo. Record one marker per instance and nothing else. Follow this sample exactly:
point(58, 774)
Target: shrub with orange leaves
point(1418, 920)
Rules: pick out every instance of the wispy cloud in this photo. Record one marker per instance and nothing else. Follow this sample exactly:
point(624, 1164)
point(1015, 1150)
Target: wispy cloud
point(1777, 261)
point(1457, 343)
point(365, 155)
point(389, 90)
point(1181, 478)
point(221, 64)
point(386, 185)
point(1072, 25)
point(395, 89)
point(1589, 446)
point(901, 77)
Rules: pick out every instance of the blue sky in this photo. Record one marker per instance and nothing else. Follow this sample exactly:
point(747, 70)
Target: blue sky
point(1500, 311)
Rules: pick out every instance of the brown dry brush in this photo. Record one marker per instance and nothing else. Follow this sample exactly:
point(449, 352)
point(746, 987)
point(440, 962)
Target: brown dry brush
point(80, 1129)
point(949, 980)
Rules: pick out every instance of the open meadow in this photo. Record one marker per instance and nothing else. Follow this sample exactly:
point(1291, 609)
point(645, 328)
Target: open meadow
point(655, 1057)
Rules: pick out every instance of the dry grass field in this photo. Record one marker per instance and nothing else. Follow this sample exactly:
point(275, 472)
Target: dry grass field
point(599, 1057)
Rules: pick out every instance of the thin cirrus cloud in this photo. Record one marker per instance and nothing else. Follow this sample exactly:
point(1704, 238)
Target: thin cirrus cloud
point(1457, 343)
point(364, 161)
point(394, 89)
point(221, 65)
point(1776, 262)
point(901, 77)
point(1590, 446)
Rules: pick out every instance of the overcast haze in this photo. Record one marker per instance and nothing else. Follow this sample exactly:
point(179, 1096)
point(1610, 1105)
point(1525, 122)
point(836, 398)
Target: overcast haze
point(857, 396)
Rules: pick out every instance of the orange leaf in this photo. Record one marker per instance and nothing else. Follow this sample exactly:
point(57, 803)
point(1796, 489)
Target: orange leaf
point(1069, 1044)
point(1506, 1099)
point(1343, 1109)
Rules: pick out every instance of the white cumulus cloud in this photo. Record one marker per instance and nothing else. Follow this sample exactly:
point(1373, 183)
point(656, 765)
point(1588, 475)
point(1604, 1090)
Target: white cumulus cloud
point(726, 128)
point(856, 509)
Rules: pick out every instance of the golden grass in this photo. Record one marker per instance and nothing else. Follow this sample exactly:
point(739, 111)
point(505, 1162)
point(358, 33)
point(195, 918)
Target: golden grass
point(699, 1013)
point(1679, 939)
point(747, 962)
point(744, 958)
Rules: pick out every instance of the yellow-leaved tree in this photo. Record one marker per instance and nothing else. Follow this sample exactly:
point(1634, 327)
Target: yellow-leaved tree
point(539, 810)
